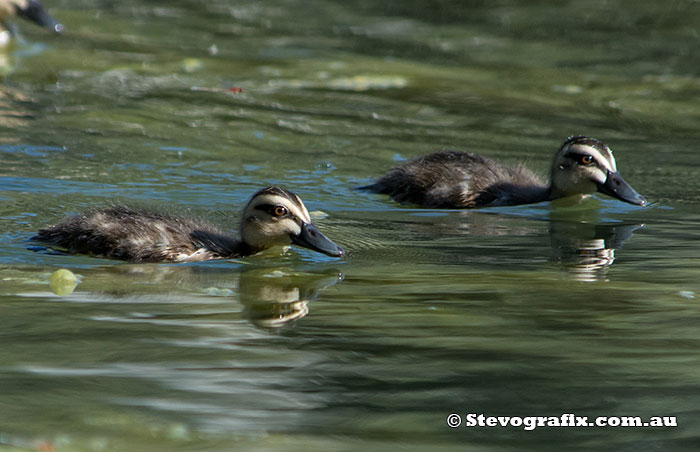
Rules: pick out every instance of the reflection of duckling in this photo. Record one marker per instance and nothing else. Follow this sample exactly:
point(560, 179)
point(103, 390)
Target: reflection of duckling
point(273, 299)
point(28, 9)
point(459, 180)
point(273, 216)
point(587, 250)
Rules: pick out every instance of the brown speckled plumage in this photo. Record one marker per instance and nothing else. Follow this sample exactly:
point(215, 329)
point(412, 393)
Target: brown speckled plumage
point(452, 179)
point(136, 235)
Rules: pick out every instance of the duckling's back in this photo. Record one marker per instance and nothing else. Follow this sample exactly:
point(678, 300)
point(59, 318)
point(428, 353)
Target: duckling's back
point(452, 179)
point(134, 235)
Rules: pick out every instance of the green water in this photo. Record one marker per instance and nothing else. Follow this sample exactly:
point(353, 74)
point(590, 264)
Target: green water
point(539, 310)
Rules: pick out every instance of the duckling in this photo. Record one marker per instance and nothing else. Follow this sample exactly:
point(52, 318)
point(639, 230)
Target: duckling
point(28, 9)
point(273, 216)
point(451, 179)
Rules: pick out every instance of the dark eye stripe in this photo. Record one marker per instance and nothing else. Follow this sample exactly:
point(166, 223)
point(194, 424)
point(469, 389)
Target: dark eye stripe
point(270, 209)
point(578, 157)
point(267, 208)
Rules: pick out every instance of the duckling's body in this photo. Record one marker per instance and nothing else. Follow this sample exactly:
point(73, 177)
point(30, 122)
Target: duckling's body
point(273, 216)
point(452, 179)
point(446, 180)
point(31, 10)
point(124, 233)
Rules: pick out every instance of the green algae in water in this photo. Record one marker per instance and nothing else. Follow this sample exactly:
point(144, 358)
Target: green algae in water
point(63, 282)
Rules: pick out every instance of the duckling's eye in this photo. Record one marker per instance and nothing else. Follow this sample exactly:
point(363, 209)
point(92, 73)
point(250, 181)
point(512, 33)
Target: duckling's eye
point(586, 159)
point(279, 211)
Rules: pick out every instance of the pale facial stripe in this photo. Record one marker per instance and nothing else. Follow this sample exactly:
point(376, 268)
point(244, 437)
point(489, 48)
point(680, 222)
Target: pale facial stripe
point(603, 157)
point(296, 207)
point(301, 211)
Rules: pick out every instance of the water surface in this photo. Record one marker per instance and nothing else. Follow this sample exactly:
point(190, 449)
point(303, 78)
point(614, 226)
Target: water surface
point(588, 308)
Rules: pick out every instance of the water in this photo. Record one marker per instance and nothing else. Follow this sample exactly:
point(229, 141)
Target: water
point(540, 310)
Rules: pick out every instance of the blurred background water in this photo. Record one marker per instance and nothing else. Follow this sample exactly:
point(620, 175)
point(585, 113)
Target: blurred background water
point(586, 308)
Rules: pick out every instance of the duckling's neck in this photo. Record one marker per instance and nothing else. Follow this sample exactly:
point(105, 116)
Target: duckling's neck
point(554, 193)
point(515, 186)
point(223, 245)
point(513, 195)
point(229, 248)
point(531, 194)
point(243, 249)
point(246, 249)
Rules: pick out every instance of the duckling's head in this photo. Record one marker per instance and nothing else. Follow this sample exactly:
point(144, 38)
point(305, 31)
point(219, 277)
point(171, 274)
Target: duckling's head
point(275, 216)
point(585, 165)
point(31, 10)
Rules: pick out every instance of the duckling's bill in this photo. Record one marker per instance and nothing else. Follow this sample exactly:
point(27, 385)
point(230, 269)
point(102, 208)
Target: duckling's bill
point(35, 12)
point(617, 187)
point(310, 237)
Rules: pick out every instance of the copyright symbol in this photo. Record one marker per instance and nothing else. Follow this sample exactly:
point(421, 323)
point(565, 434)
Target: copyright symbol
point(454, 420)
